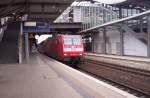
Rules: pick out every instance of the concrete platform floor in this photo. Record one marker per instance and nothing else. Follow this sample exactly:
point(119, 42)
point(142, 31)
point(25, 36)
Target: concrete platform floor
point(33, 80)
point(44, 77)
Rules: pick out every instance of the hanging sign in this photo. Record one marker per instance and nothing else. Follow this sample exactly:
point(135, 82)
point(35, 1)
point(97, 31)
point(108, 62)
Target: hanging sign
point(37, 27)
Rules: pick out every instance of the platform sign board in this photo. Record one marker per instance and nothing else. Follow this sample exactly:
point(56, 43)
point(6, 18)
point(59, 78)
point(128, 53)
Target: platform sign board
point(37, 27)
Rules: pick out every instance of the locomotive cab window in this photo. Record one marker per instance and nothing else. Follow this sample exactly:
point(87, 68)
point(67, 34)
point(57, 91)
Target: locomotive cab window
point(72, 41)
point(76, 41)
point(67, 41)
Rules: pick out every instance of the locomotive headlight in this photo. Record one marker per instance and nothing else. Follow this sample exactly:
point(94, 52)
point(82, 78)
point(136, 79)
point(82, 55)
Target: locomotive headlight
point(79, 49)
point(67, 49)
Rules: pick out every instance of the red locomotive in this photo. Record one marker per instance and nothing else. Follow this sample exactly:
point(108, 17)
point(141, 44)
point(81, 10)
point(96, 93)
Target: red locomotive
point(63, 47)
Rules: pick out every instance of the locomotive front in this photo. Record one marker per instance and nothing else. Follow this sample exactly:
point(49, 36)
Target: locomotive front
point(72, 47)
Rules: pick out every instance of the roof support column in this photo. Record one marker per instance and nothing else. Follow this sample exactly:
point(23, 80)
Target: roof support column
point(148, 31)
point(120, 12)
point(92, 42)
point(27, 47)
point(104, 41)
point(141, 25)
point(20, 44)
point(104, 15)
point(121, 42)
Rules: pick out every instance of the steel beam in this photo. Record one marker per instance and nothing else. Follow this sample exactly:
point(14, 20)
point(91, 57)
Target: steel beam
point(66, 25)
point(57, 4)
point(45, 13)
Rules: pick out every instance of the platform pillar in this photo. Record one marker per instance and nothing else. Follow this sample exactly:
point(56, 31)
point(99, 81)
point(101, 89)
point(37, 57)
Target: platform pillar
point(121, 42)
point(92, 42)
point(148, 31)
point(104, 41)
point(120, 12)
point(27, 46)
point(20, 44)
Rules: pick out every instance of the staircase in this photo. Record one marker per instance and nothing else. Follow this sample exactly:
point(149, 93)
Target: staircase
point(133, 33)
point(9, 44)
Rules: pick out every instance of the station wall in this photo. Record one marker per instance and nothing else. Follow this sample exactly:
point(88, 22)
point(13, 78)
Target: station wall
point(134, 44)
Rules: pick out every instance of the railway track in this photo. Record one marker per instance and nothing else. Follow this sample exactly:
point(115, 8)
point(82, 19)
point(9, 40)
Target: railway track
point(134, 79)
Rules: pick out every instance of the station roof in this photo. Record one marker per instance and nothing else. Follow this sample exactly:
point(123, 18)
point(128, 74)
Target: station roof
point(134, 3)
point(35, 9)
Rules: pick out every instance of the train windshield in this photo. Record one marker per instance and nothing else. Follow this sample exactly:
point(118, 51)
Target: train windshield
point(67, 41)
point(76, 41)
point(72, 41)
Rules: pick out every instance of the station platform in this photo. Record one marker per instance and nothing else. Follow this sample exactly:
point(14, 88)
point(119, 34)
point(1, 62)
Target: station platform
point(43, 77)
point(127, 61)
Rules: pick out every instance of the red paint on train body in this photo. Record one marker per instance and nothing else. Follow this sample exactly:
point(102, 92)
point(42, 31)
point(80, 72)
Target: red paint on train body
point(64, 47)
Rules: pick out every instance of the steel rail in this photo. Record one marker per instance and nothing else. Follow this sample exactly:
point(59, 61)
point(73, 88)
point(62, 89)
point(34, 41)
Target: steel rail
point(127, 77)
